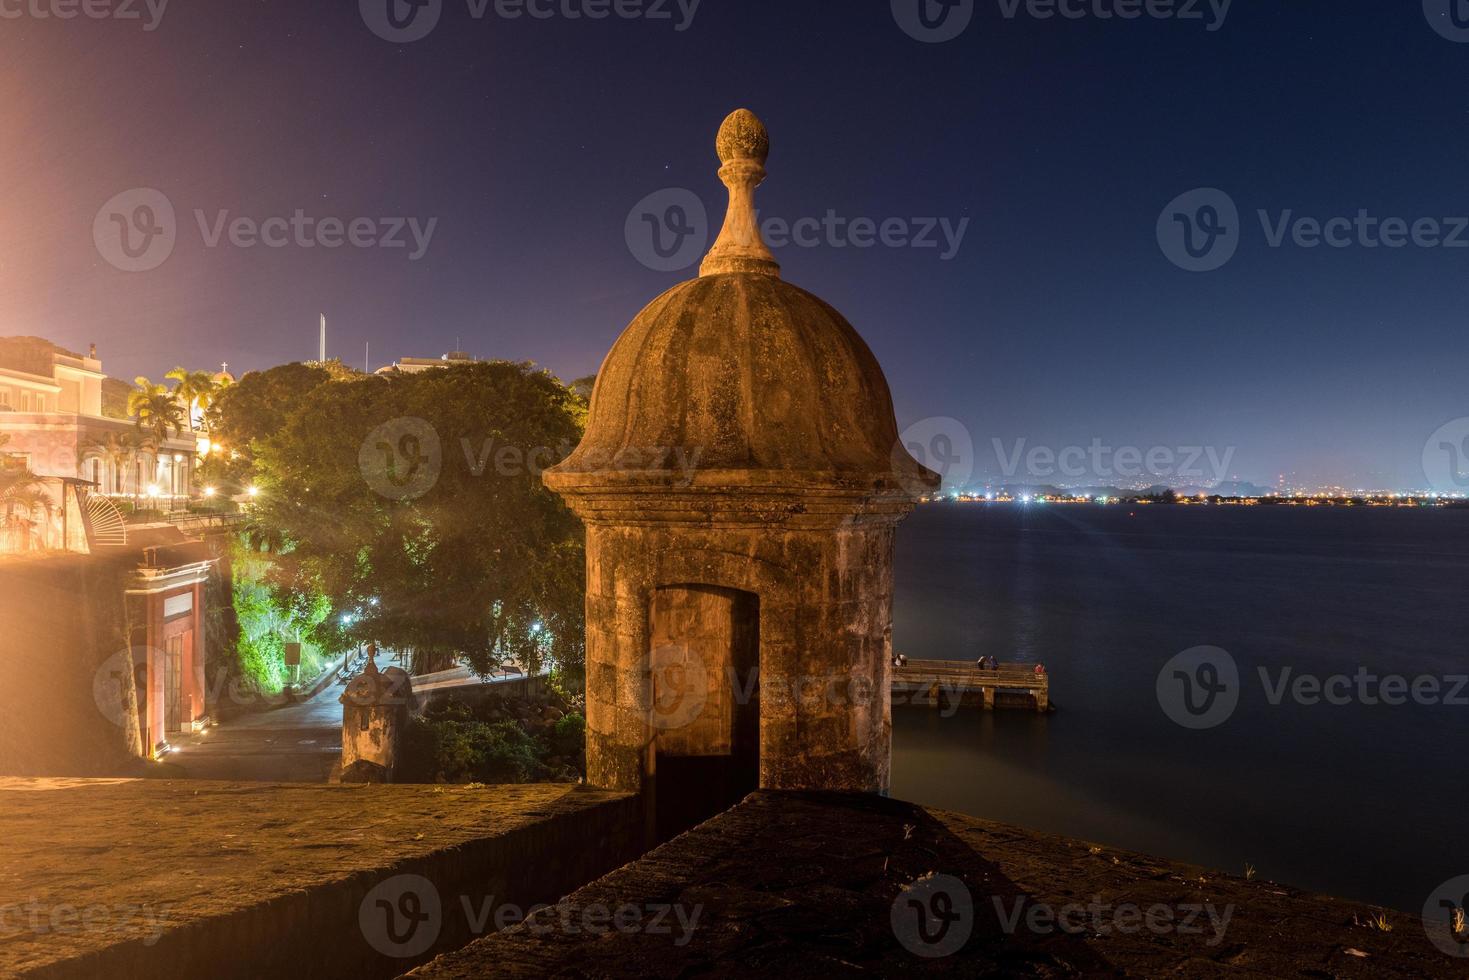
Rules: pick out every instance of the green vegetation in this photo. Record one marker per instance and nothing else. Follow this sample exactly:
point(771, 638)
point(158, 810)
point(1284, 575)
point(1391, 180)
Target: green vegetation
point(267, 622)
point(499, 741)
point(414, 503)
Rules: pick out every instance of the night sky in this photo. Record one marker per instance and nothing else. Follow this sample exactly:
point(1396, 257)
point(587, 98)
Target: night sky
point(1059, 320)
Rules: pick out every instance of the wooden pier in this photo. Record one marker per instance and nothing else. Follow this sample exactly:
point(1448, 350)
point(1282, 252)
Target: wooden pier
point(940, 683)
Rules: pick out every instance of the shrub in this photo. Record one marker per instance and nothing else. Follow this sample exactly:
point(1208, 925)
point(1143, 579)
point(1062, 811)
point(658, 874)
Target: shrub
point(453, 750)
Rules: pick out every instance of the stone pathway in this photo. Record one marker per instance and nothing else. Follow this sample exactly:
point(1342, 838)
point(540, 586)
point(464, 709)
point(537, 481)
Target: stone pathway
point(295, 743)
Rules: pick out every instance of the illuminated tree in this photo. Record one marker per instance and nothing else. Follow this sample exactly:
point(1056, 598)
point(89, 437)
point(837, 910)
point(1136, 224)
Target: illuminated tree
point(415, 503)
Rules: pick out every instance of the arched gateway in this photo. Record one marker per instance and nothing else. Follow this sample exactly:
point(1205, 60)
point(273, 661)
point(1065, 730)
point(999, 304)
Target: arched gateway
point(741, 480)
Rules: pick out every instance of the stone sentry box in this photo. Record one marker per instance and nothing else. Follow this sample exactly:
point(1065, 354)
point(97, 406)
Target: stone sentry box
point(741, 480)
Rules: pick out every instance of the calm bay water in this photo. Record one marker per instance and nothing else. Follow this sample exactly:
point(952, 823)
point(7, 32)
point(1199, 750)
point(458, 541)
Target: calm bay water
point(1367, 802)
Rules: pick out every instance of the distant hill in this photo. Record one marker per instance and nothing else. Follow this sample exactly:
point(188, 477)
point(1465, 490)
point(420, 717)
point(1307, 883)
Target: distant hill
point(30, 354)
point(33, 356)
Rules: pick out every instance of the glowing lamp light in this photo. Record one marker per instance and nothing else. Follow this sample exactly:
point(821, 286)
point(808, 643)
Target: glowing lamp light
point(153, 490)
point(535, 628)
point(253, 491)
point(208, 491)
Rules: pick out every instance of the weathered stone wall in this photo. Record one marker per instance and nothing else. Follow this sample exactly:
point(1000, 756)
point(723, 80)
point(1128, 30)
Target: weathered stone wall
point(825, 637)
point(201, 879)
point(842, 885)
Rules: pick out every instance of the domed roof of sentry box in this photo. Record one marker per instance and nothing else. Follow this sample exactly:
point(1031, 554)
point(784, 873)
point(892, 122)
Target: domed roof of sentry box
point(741, 371)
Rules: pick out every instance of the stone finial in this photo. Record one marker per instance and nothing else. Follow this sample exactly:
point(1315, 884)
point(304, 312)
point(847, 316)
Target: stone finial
point(743, 146)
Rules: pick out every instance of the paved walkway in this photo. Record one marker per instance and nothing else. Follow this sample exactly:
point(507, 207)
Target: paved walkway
point(296, 743)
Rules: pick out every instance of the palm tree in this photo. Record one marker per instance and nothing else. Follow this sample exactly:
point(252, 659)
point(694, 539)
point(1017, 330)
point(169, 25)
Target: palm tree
point(193, 389)
point(19, 488)
point(121, 450)
point(155, 411)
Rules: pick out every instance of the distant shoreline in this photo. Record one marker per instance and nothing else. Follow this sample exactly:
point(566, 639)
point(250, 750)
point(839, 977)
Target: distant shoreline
point(1399, 501)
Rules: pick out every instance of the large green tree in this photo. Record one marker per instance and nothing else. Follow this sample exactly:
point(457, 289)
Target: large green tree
point(414, 502)
point(251, 409)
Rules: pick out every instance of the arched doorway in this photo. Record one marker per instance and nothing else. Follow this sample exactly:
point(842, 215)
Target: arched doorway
point(705, 661)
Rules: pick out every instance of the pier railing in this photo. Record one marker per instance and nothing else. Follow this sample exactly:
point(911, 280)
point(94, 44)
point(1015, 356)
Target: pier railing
point(956, 680)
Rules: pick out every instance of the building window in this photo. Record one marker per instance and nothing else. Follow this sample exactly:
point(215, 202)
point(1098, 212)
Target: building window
point(25, 401)
point(4, 397)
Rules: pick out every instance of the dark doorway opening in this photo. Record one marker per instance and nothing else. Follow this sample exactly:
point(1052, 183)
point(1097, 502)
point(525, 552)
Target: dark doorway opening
point(706, 689)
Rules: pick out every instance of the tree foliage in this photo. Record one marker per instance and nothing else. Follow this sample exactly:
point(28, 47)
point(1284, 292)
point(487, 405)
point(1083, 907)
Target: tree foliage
point(251, 409)
point(479, 560)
